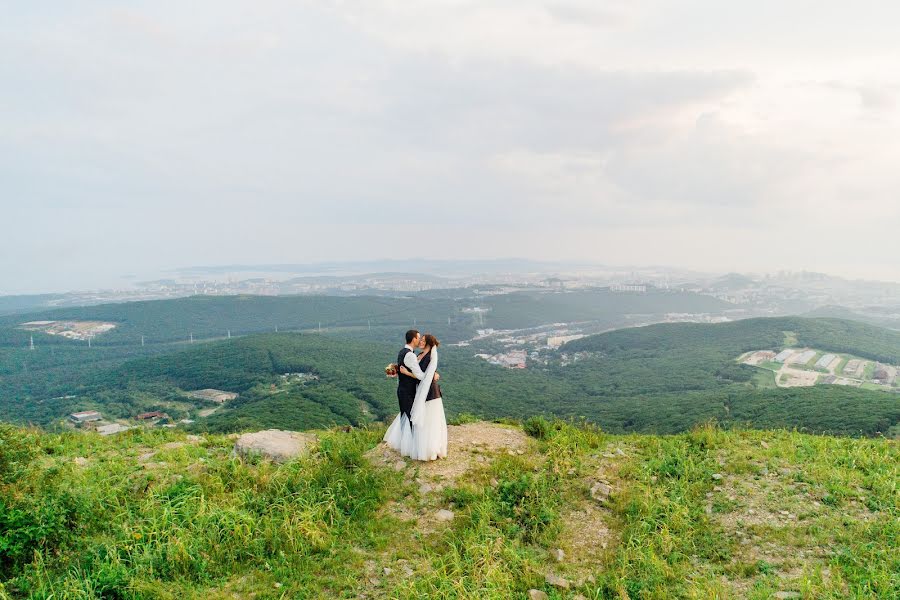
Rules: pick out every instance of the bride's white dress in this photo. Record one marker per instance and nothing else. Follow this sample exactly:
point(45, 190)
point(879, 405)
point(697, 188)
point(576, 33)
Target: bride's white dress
point(426, 437)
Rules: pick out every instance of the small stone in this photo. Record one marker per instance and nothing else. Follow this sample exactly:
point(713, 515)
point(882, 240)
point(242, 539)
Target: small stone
point(557, 581)
point(783, 513)
point(520, 452)
point(620, 452)
point(570, 472)
point(425, 488)
point(81, 461)
point(764, 444)
point(511, 452)
point(785, 472)
point(751, 512)
point(653, 478)
point(536, 595)
point(717, 476)
point(374, 581)
point(494, 482)
point(444, 515)
point(764, 470)
point(578, 597)
point(558, 555)
point(195, 438)
point(388, 571)
point(608, 455)
point(785, 595)
point(146, 456)
point(277, 584)
point(399, 465)
point(600, 491)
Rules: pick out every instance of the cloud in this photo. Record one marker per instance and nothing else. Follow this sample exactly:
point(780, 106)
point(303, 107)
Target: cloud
point(279, 126)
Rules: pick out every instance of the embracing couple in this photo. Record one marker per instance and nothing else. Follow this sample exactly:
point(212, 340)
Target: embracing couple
point(420, 430)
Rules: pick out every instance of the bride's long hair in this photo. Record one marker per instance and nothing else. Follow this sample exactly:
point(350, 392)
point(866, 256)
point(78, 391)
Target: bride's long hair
point(431, 341)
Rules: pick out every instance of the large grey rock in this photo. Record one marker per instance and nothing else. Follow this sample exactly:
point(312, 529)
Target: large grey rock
point(534, 594)
point(275, 444)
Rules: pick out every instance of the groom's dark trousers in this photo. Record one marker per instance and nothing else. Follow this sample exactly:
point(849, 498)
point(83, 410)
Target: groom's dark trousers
point(406, 387)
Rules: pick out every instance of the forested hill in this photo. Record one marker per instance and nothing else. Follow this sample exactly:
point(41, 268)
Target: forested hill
point(836, 335)
point(662, 378)
point(373, 317)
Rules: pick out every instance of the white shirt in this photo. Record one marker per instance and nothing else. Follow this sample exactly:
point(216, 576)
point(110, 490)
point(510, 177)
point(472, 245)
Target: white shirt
point(411, 362)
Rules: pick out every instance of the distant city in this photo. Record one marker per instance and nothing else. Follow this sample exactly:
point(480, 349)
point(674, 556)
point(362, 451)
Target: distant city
point(773, 293)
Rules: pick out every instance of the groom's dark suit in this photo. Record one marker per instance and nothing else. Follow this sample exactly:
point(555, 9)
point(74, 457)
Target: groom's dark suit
point(406, 385)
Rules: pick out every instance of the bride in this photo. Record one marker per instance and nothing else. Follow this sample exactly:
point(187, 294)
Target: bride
point(426, 437)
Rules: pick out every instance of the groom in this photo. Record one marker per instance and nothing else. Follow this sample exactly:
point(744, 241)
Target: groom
point(406, 385)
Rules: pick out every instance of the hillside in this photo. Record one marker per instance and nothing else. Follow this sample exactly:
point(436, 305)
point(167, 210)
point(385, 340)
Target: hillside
point(668, 377)
point(662, 379)
point(566, 510)
point(374, 317)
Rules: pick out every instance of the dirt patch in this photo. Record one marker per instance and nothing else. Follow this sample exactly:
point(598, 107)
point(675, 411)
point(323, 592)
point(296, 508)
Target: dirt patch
point(468, 445)
point(585, 537)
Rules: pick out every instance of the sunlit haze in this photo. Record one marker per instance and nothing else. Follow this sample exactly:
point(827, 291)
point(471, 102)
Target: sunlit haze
point(145, 136)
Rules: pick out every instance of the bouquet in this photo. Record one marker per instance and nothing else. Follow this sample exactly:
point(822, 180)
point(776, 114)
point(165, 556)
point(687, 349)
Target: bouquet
point(391, 370)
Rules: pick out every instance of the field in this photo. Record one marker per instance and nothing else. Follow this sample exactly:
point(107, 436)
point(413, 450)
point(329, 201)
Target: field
point(799, 370)
point(704, 514)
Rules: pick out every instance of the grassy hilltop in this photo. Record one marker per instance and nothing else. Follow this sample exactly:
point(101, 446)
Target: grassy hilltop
point(703, 514)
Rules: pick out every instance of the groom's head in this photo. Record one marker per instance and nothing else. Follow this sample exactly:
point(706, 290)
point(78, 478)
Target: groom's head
point(412, 337)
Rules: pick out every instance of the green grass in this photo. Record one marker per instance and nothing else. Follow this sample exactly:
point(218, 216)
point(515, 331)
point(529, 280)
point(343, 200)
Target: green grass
point(869, 371)
point(694, 515)
point(839, 370)
point(764, 378)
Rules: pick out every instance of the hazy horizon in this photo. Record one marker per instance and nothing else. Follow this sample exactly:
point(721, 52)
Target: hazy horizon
point(708, 136)
point(443, 268)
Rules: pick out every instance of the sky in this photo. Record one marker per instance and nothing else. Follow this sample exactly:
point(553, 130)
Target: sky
point(143, 136)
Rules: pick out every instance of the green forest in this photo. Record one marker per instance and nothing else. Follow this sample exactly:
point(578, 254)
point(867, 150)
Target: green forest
point(372, 317)
point(662, 378)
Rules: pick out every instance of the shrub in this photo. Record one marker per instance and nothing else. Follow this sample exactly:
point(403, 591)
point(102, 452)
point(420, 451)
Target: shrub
point(17, 448)
point(538, 427)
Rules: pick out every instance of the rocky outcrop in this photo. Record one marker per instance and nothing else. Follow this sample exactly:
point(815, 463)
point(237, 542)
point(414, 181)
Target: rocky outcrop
point(275, 444)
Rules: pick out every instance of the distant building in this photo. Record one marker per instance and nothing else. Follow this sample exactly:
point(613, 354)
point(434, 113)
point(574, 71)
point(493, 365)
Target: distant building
point(85, 416)
point(111, 429)
point(783, 355)
point(803, 357)
point(618, 287)
point(826, 360)
point(210, 395)
point(152, 415)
